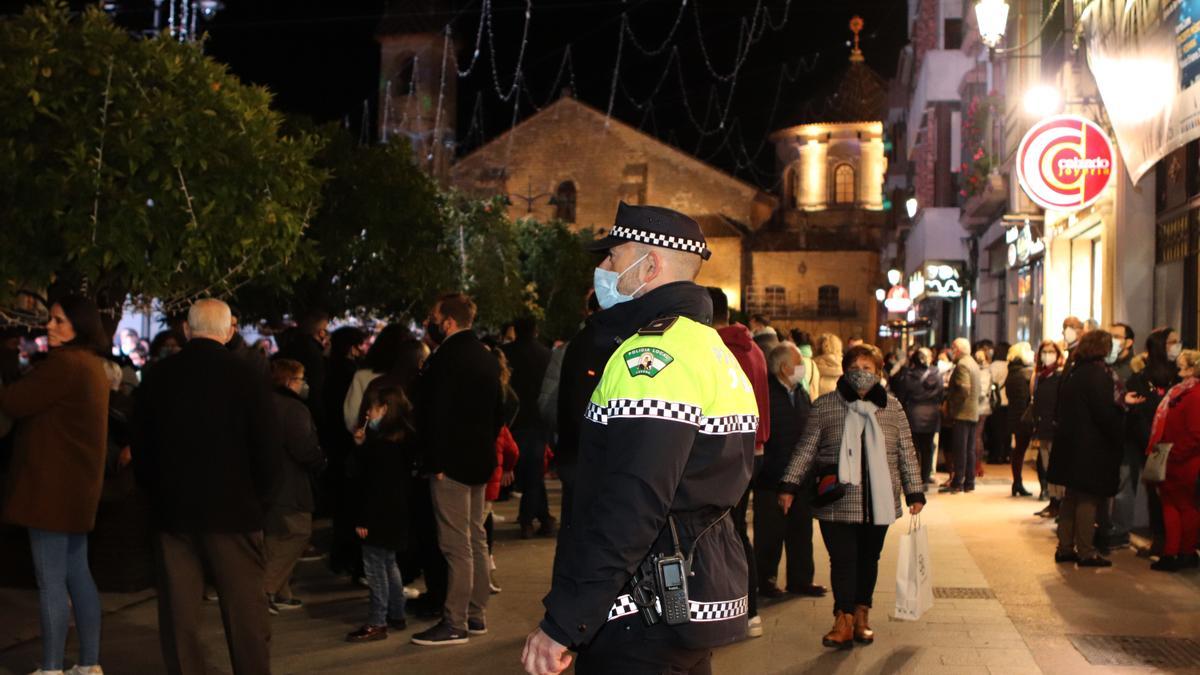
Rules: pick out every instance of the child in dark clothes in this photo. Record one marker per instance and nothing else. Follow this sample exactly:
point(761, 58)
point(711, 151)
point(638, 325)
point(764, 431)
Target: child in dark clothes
point(381, 519)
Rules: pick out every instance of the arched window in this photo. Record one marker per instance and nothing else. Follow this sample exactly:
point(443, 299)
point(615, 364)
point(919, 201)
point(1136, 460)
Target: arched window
point(564, 201)
point(404, 83)
point(828, 301)
point(843, 184)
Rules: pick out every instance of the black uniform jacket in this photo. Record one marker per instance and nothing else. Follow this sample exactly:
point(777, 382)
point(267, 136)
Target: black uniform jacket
point(643, 459)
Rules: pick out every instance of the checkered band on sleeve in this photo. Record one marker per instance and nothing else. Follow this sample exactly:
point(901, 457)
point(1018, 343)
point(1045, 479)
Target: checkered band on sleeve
point(670, 410)
point(729, 424)
point(699, 612)
point(656, 239)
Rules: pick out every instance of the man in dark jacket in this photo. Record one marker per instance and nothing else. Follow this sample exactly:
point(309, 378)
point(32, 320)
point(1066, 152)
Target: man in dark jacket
point(773, 530)
point(206, 448)
point(306, 343)
point(289, 519)
point(920, 389)
point(667, 445)
point(528, 359)
point(458, 416)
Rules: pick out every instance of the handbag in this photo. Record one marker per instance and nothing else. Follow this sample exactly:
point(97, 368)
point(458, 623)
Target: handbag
point(1155, 470)
point(828, 488)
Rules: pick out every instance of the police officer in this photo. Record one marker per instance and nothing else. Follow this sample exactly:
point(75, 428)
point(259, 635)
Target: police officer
point(667, 446)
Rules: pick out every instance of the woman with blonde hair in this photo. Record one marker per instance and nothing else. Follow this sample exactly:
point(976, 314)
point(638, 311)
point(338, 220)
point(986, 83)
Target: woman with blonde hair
point(829, 363)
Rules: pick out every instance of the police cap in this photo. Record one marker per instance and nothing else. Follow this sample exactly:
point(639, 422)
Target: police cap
point(656, 226)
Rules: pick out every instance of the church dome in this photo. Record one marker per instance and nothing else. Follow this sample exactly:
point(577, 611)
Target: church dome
point(859, 94)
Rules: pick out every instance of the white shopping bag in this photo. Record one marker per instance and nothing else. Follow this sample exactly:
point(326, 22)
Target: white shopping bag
point(914, 573)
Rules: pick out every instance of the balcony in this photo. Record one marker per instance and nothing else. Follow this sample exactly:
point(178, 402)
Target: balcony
point(981, 208)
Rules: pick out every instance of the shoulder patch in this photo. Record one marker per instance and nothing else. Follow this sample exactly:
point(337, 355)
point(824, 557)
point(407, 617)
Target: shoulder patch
point(658, 326)
point(648, 361)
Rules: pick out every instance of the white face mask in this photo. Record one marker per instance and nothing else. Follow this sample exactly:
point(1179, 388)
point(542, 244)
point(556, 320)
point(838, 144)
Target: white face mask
point(1174, 351)
point(1114, 353)
point(1049, 359)
point(1070, 335)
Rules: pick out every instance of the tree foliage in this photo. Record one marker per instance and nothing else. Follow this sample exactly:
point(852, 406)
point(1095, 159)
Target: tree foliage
point(558, 267)
point(485, 257)
point(140, 166)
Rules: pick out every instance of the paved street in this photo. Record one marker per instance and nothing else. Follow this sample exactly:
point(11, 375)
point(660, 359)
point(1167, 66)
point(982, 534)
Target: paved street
point(987, 542)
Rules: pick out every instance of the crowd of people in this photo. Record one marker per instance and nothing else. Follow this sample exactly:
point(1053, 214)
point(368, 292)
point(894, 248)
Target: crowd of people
point(405, 437)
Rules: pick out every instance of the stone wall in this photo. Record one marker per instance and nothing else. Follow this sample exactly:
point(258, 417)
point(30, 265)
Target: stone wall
point(802, 273)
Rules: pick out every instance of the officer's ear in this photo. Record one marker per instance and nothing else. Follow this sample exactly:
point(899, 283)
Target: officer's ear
point(655, 267)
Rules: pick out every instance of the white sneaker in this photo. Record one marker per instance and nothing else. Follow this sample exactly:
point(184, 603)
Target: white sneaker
point(755, 627)
point(497, 518)
point(85, 670)
point(411, 593)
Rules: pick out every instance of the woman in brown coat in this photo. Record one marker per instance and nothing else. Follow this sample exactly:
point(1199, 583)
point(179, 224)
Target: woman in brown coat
point(53, 485)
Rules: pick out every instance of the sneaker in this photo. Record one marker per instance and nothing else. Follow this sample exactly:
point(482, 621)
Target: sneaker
point(476, 627)
point(441, 634)
point(210, 595)
point(86, 670)
point(272, 608)
point(411, 593)
point(493, 585)
point(1095, 561)
point(497, 518)
point(754, 628)
point(368, 633)
point(289, 604)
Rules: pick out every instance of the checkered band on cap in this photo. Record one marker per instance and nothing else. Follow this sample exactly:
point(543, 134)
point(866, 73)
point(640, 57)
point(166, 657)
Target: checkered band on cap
point(656, 239)
point(699, 612)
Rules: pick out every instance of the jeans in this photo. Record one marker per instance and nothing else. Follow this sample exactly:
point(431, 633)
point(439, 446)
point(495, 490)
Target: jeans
point(459, 511)
point(60, 562)
point(530, 476)
point(964, 455)
point(1077, 523)
point(853, 562)
point(387, 588)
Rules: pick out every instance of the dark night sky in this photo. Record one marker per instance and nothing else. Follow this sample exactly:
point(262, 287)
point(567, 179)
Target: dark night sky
point(320, 58)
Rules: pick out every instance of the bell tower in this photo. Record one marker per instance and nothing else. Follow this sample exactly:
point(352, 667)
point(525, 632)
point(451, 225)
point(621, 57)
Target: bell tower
point(418, 81)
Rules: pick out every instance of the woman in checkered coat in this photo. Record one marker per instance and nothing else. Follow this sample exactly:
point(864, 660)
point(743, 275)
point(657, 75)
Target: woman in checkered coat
point(857, 445)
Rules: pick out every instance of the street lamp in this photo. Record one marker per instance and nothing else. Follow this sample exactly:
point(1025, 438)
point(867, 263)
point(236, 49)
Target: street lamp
point(1042, 101)
point(992, 17)
point(880, 294)
point(910, 205)
point(894, 277)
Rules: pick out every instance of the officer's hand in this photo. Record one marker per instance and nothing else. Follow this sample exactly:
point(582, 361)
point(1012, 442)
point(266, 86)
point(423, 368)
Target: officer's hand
point(785, 501)
point(544, 656)
point(915, 508)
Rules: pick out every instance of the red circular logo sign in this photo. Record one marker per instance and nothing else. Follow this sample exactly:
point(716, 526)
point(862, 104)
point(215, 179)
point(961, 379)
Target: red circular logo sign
point(1065, 162)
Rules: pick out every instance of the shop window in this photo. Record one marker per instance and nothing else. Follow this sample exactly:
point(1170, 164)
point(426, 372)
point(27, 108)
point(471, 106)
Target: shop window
point(828, 301)
point(564, 202)
point(843, 184)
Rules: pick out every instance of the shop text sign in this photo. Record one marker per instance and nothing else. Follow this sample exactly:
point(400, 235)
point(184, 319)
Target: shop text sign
point(1065, 162)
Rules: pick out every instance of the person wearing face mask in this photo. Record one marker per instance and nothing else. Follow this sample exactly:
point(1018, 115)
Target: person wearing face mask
point(812, 376)
point(667, 444)
point(1090, 425)
point(1017, 386)
point(1040, 414)
point(1160, 373)
point(459, 412)
point(385, 452)
point(773, 529)
point(920, 390)
point(859, 439)
point(963, 397)
point(1073, 329)
point(1177, 422)
point(207, 448)
point(750, 356)
point(288, 527)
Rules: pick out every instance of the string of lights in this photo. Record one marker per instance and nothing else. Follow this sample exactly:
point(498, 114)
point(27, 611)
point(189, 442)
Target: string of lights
point(625, 25)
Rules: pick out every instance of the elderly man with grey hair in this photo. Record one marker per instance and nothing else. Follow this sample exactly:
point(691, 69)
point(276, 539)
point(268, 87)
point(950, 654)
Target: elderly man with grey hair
point(963, 395)
point(207, 450)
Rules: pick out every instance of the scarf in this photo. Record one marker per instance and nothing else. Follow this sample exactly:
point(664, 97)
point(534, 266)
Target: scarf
point(1173, 397)
point(861, 424)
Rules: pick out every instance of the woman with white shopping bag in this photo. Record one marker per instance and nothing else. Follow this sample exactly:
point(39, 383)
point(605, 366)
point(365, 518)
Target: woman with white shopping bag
point(858, 448)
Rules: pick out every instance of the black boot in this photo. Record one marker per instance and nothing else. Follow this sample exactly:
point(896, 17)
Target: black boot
point(1018, 490)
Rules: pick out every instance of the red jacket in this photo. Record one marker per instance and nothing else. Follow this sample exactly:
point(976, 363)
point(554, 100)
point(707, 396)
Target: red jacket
point(739, 341)
point(1182, 428)
point(506, 460)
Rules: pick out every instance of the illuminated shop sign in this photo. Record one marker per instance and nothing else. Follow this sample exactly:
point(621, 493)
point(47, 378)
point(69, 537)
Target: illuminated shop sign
point(1065, 162)
point(936, 279)
point(1022, 245)
point(898, 300)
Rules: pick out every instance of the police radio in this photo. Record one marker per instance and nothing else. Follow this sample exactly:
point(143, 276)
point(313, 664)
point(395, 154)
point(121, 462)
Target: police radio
point(672, 574)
